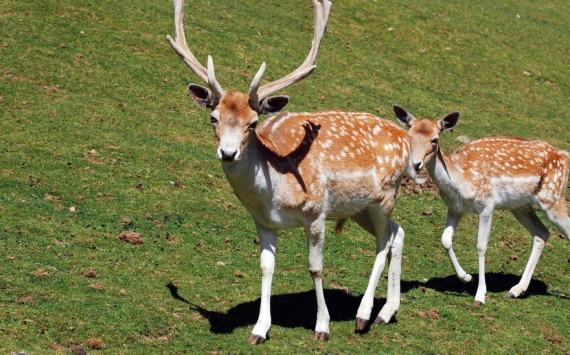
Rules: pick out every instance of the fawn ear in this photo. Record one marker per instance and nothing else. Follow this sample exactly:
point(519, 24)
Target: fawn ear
point(273, 104)
point(404, 117)
point(201, 95)
point(448, 121)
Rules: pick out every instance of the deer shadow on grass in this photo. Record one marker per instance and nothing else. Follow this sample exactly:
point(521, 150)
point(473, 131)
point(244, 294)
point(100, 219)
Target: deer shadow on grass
point(295, 310)
point(496, 283)
point(291, 310)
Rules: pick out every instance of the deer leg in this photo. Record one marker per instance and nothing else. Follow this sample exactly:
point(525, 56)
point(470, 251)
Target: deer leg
point(268, 241)
point(389, 243)
point(558, 215)
point(396, 235)
point(377, 226)
point(315, 240)
point(485, 220)
point(540, 235)
point(447, 242)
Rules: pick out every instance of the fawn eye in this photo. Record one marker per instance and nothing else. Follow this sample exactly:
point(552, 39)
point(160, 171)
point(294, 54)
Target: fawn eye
point(253, 125)
point(213, 120)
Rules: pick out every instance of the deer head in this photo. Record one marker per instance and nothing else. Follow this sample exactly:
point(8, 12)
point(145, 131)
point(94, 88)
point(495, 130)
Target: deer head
point(235, 114)
point(424, 135)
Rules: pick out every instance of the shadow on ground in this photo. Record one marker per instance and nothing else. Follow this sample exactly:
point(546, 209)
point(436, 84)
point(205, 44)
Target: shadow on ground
point(496, 283)
point(287, 310)
point(300, 310)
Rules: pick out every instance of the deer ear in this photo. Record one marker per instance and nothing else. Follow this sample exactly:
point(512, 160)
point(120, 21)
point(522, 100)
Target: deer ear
point(404, 117)
point(448, 121)
point(273, 104)
point(201, 95)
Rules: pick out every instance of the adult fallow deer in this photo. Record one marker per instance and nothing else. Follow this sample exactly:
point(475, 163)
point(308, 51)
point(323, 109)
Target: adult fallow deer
point(492, 173)
point(300, 169)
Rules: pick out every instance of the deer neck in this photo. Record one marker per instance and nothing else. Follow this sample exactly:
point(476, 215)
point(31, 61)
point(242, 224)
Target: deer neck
point(441, 170)
point(250, 176)
point(242, 171)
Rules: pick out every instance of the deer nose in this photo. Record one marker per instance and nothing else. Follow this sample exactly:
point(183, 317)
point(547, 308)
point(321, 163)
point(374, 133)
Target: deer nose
point(228, 155)
point(419, 165)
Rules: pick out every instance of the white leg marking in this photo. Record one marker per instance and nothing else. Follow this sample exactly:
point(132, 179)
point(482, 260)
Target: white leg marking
point(382, 233)
point(268, 239)
point(447, 242)
point(315, 241)
point(485, 220)
point(540, 235)
point(394, 271)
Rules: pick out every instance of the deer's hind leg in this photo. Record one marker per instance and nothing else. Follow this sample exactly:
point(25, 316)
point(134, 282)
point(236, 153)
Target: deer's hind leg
point(557, 213)
point(527, 217)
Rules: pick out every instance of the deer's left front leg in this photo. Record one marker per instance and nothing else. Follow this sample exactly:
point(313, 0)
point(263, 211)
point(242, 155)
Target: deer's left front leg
point(315, 242)
point(389, 244)
point(268, 241)
point(485, 220)
point(453, 219)
point(377, 224)
point(394, 273)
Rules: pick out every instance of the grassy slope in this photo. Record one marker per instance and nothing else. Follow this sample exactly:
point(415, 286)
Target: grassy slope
point(97, 136)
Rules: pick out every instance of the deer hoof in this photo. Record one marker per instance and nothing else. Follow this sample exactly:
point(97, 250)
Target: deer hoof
point(255, 339)
point(360, 325)
point(380, 321)
point(511, 295)
point(320, 336)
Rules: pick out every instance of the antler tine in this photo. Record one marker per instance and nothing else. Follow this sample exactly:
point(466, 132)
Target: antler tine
point(321, 14)
point(323, 11)
point(212, 82)
point(253, 88)
point(181, 47)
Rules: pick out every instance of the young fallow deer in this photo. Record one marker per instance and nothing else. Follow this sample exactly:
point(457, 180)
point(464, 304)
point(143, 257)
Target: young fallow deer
point(492, 173)
point(300, 169)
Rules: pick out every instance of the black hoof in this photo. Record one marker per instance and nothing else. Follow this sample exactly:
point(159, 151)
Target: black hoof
point(360, 325)
point(320, 336)
point(255, 339)
point(511, 295)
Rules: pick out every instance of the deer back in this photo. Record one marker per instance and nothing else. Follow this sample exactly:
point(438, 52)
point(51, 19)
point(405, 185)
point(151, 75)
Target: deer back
point(513, 169)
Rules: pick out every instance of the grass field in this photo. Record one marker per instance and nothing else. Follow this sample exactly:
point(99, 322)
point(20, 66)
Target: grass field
point(98, 137)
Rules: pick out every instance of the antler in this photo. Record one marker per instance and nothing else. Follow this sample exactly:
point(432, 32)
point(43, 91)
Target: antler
point(180, 46)
point(256, 94)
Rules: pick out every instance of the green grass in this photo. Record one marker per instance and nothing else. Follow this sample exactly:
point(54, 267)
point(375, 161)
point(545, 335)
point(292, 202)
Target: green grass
point(98, 136)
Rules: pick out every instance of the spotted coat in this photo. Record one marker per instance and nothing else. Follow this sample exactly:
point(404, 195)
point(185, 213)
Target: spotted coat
point(334, 162)
point(509, 172)
point(492, 173)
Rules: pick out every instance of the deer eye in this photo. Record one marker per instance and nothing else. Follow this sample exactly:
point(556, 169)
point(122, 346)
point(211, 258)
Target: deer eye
point(435, 141)
point(252, 125)
point(213, 120)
